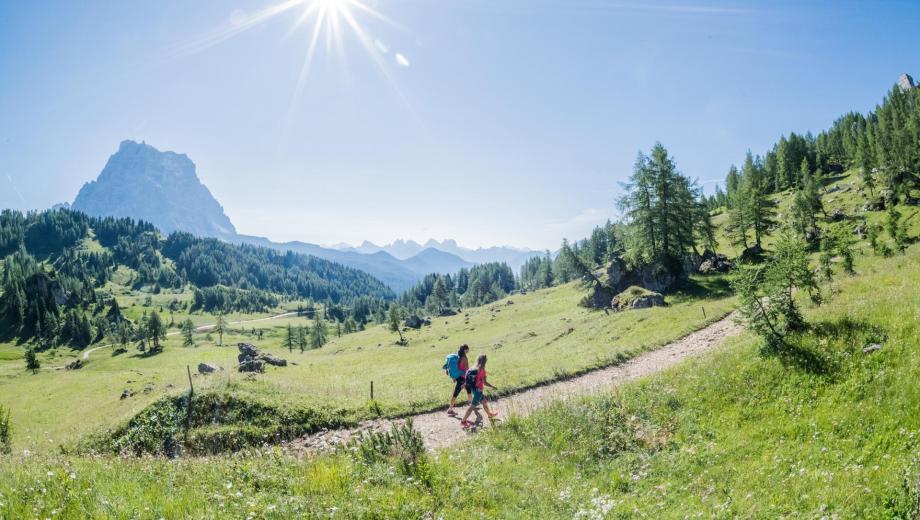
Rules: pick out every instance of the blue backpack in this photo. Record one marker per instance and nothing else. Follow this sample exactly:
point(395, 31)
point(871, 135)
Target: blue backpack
point(452, 366)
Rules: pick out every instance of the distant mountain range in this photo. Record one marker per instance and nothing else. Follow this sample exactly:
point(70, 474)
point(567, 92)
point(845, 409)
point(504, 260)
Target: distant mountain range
point(163, 188)
point(403, 249)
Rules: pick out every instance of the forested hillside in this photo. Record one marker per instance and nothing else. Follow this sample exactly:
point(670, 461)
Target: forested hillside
point(56, 263)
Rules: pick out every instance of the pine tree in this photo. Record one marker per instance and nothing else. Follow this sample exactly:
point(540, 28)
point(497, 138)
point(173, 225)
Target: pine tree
point(156, 331)
point(394, 323)
point(759, 206)
point(188, 328)
point(289, 339)
point(318, 333)
point(219, 328)
point(32, 362)
point(302, 337)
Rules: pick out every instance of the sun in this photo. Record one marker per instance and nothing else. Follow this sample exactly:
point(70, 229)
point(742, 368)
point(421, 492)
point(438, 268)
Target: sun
point(326, 22)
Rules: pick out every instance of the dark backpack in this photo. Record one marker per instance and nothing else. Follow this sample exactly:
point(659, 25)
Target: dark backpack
point(470, 382)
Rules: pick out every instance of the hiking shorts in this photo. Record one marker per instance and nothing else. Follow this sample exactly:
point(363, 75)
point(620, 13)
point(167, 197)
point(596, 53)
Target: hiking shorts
point(477, 397)
point(461, 383)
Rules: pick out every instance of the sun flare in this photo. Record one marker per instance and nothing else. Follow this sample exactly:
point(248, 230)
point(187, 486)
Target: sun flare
point(326, 23)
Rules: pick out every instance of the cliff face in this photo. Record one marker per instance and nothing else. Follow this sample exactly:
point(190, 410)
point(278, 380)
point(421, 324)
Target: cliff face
point(162, 188)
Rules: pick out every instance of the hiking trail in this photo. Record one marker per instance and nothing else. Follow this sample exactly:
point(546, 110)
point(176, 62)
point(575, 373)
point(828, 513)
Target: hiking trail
point(440, 430)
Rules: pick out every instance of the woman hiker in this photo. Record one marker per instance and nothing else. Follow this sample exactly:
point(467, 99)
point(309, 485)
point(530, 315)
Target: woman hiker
point(476, 382)
point(456, 367)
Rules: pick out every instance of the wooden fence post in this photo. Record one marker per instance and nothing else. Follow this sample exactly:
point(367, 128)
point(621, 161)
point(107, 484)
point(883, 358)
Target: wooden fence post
point(191, 392)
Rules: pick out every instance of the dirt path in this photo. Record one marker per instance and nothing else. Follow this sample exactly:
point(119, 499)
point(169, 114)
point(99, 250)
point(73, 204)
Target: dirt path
point(440, 430)
point(200, 328)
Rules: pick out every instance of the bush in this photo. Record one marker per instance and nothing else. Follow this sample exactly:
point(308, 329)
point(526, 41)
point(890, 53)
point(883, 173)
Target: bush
point(6, 431)
point(402, 443)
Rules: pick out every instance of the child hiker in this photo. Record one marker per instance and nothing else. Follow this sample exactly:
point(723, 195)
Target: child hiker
point(476, 382)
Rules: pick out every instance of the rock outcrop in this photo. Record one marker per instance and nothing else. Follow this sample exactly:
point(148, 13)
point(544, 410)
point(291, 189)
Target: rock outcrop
point(415, 322)
point(254, 360)
point(906, 82)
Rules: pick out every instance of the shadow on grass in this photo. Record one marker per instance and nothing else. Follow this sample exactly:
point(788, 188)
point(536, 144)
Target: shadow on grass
point(823, 346)
point(701, 286)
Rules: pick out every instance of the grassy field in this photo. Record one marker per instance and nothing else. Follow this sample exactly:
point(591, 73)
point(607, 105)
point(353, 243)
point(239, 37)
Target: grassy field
point(530, 339)
point(731, 434)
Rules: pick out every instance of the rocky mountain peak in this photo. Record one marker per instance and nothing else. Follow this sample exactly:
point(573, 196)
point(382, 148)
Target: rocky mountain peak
point(163, 188)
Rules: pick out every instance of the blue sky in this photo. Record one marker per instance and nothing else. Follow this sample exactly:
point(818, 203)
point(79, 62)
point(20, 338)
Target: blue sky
point(502, 122)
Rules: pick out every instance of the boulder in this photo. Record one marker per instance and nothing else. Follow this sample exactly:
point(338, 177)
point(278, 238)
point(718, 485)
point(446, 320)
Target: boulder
point(252, 365)
point(415, 322)
point(253, 360)
point(204, 368)
point(447, 312)
point(126, 393)
point(636, 297)
point(247, 350)
point(838, 215)
point(648, 300)
point(752, 252)
point(272, 360)
point(715, 263)
point(74, 365)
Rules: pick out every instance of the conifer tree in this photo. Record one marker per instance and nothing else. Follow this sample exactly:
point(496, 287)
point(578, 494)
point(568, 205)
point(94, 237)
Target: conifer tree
point(393, 323)
point(289, 339)
point(156, 331)
point(32, 362)
point(219, 328)
point(188, 328)
point(318, 333)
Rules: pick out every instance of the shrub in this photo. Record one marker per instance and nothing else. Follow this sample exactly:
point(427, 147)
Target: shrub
point(402, 443)
point(767, 294)
point(6, 431)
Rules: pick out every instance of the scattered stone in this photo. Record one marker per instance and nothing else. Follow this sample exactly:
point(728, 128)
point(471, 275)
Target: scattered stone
point(75, 365)
point(812, 234)
point(872, 348)
point(875, 205)
point(126, 393)
point(204, 368)
point(414, 322)
point(510, 302)
point(148, 388)
point(861, 230)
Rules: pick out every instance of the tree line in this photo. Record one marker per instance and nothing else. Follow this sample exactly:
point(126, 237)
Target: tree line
point(52, 274)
